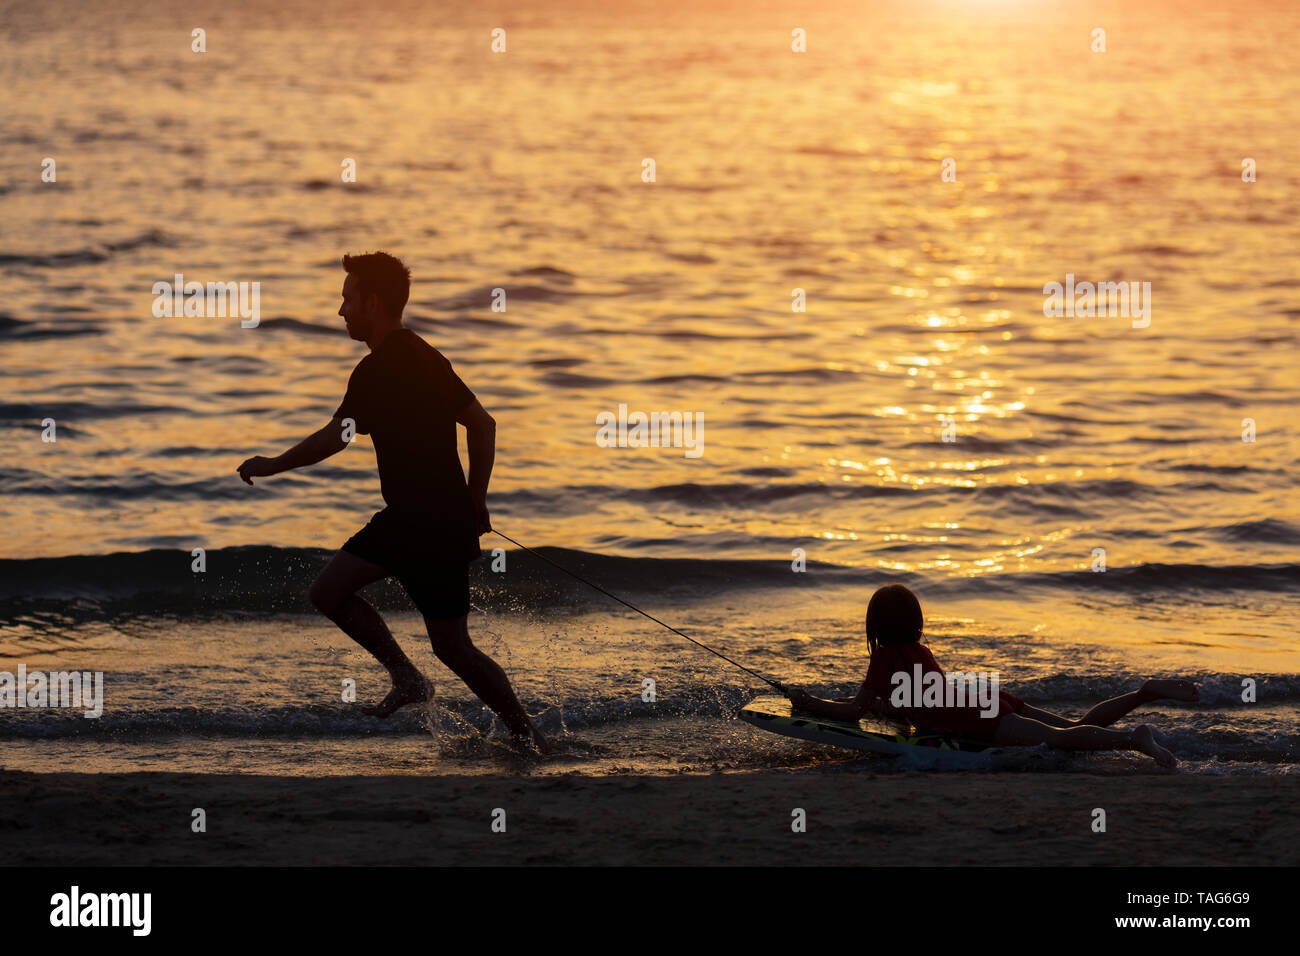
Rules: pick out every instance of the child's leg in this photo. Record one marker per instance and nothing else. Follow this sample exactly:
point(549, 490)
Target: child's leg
point(1109, 711)
point(1015, 730)
point(1046, 717)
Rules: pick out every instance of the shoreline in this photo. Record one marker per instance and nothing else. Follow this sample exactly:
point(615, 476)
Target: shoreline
point(861, 819)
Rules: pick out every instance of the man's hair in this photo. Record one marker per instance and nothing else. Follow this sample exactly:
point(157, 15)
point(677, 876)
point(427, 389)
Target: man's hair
point(383, 275)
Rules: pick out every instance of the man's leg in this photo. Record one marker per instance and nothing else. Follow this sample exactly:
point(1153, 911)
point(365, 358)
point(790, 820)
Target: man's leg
point(482, 675)
point(334, 594)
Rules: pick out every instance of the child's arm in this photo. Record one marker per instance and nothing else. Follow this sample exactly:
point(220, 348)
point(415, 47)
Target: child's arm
point(839, 709)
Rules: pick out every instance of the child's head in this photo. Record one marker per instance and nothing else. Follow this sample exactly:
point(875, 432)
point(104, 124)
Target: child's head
point(893, 617)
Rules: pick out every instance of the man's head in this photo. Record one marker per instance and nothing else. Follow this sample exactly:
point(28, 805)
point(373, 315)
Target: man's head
point(374, 293)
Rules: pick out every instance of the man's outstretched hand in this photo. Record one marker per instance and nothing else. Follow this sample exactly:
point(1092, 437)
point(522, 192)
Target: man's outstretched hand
point(256, 467)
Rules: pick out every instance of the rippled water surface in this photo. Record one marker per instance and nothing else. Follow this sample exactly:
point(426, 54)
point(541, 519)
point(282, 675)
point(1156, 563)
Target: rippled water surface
point(777, 175)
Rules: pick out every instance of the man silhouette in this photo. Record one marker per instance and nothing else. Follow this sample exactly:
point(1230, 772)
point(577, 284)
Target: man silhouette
point(406, 395)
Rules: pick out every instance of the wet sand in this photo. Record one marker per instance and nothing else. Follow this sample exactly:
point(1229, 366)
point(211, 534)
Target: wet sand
point(738, 819)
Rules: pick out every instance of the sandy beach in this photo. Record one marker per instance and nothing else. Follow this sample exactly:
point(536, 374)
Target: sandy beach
point(862, 819)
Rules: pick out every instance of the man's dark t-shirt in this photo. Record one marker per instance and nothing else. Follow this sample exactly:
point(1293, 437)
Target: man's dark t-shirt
point(406, 396)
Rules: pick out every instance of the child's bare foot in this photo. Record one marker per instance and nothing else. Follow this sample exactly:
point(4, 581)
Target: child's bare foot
point(1171, 690)
point(1146, 741)
point(407, 692)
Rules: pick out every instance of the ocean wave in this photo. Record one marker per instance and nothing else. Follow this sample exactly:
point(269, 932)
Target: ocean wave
point(1214, 730)
point(685, 334)
point(265, 579)
point(31, 329)
point(1266, 530)
point(125, 486)
point(484, 296)
point(90, 255)
point(23, 413)
point(1045, 498)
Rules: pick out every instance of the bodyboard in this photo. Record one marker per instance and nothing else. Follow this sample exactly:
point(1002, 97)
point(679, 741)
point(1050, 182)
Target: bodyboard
point(873, 734)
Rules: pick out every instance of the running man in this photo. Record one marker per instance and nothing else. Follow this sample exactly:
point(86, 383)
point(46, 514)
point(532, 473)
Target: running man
point(406, 395)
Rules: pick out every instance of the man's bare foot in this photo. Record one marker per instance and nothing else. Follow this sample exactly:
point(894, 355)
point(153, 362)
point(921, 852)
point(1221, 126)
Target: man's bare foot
point(1171, 690)
point(533, 739)
point(408, 692)
point(1146, 741)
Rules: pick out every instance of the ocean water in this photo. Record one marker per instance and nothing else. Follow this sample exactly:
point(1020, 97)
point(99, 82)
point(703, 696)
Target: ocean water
point(824, 429)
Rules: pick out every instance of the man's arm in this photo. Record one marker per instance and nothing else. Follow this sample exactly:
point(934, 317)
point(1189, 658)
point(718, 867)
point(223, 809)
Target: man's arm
point(481, 435)
point(315, 447)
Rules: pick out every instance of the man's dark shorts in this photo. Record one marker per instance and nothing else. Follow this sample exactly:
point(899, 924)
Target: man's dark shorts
point(425, 556)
